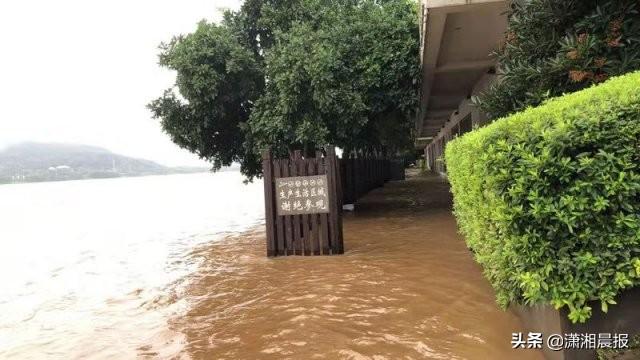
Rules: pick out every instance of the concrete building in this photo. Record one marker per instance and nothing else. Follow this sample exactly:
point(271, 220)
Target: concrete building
point(457, 40)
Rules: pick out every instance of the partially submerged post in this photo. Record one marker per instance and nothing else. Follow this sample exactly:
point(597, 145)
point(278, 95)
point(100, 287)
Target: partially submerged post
point(303, 204)
point(304, 197)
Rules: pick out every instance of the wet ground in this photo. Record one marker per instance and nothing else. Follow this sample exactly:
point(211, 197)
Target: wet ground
point(406, 288)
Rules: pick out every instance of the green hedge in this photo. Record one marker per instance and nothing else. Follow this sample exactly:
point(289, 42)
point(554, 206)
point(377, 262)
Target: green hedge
point(549, 198)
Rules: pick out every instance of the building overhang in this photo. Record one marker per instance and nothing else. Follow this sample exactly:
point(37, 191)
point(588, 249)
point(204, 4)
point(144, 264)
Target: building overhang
point(458, 38)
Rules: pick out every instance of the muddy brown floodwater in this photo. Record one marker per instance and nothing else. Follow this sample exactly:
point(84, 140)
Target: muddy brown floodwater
point(407, 287)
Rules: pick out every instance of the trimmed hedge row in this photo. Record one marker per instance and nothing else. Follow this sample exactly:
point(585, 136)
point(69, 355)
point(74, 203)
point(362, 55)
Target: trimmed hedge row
point(549, 198)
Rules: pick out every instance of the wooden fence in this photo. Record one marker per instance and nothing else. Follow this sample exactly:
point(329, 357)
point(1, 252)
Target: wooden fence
point(365, 173)
point(318, 233)
point(304, 234)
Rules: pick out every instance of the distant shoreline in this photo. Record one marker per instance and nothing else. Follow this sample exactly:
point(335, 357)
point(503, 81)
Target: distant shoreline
point(116, 177)
point(32, 162)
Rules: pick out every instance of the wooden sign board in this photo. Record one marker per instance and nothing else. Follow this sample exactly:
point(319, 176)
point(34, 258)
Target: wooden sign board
point(302, 195)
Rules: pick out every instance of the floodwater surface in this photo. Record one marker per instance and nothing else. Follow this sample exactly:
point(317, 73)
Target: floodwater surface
point(406, 288)
point(92, 269)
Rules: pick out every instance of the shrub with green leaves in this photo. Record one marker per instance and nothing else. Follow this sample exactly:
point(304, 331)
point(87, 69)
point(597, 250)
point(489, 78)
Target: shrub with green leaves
point(549, 198)
point(554, 47)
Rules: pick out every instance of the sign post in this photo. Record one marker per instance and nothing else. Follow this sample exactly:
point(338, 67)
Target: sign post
point(303, 204)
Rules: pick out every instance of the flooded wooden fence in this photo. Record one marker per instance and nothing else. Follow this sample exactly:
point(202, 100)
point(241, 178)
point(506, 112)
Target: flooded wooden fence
point(304, 198)
point(362, 174)
point(302, 232)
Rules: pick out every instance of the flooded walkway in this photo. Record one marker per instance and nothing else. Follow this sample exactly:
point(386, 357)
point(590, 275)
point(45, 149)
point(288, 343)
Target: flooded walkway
point(407, 287)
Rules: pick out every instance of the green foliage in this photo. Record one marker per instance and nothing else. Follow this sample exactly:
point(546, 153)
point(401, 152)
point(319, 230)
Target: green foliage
point(549, 198)
point(294, 74)
point(218, 80)
point(346, 78)
point(560, 46)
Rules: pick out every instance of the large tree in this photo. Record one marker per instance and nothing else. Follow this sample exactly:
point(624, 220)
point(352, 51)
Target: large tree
point(349, 77)
point(560, 46)
point(218, 80)
point(293, 74)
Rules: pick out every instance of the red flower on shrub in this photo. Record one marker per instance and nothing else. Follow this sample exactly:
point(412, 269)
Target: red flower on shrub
point(616, 25)
point(613, 42)
point(579, 75)
point(582, 38)
point(613, 39)
point(573, 54)
point(600, 77)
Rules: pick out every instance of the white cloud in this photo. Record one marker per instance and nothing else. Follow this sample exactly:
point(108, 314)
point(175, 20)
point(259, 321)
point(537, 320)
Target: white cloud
point(83, 71)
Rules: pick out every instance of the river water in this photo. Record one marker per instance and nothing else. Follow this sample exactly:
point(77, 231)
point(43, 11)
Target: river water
point(173, 267)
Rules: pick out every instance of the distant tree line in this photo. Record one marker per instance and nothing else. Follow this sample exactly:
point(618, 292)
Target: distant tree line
point(293, 74)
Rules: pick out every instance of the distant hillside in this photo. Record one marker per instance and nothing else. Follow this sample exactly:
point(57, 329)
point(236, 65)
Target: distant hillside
point(30, 162)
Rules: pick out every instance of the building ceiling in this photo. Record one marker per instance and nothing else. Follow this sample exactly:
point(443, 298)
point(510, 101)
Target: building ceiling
point(458, 40)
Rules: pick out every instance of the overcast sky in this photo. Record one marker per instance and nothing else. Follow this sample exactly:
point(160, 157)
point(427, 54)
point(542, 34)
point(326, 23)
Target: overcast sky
point(82, 71)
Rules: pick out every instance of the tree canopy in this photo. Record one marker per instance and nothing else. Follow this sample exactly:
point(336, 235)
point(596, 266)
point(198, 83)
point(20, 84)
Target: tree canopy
point(560, 46)
point(293, 74)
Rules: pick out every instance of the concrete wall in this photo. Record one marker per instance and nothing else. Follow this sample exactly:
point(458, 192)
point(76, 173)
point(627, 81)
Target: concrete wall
point(623, 318)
